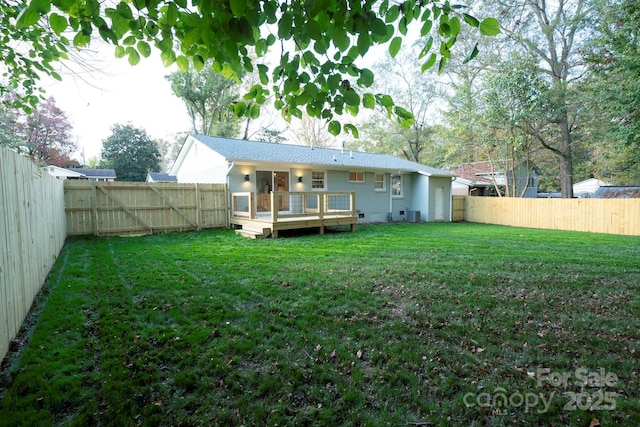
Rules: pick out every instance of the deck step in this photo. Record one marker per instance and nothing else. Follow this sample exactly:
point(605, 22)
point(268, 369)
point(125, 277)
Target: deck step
point(254, 233)
point(250, 234)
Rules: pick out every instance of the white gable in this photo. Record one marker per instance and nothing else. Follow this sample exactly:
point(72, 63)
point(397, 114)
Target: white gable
point(198, 163)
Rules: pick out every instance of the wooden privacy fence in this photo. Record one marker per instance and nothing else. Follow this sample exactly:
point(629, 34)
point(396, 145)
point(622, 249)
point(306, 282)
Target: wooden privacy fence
point(32, 233)
point(112, 208)
point(614, 216)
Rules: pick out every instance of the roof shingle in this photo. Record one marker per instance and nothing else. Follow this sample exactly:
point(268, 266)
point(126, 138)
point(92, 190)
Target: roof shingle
point(244, 150)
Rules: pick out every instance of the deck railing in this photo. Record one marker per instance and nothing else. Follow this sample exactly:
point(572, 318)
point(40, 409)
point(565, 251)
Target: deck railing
point(286, 205)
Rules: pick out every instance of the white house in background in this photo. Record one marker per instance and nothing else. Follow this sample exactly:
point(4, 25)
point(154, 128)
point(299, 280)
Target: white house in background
point(587, 187)
point(386, 188)
point(81, 173)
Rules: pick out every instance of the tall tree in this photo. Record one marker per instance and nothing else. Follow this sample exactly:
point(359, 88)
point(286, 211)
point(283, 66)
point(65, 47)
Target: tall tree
point(313, 132)
point(514, 107)
point(45, 135)
point(321, 42)
point(613, 61)
point(552, 33)
point(416, 92)
point(209, 99)
point(131, 152)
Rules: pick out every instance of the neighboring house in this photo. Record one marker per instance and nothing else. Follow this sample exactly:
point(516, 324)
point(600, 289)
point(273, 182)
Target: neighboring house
point(160, 177)
point(82, 173)
point(482, 178)
point(617, 192)
point(582, 189)
point(587, 187)
point(386, 188)
point(62, 173)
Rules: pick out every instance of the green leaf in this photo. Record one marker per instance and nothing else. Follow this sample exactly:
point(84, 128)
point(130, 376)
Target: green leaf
point(430, 62)
point(40, 6)
point(443, 63)
point(403, 113)
point(238, 7)
point(426, 28)
point(473, 54)
point(454, 25)
point(239, 108)
point(366, 78)
point(471, 20)
point(334, 128)
point(392, 14)
point(368, 101)
point(171, 15)
point(58, 23)
point(351, 97)
point(144, 48)
point(124, 10)
point(254, 111)
point(385, 100)
point(133, 56)
point(395, 46)
point(27, 17)
point(405, 118)
point(183, 63)
point(378, 27)
point(490, 27)
point(262, 72)
point(168, 57)
point(119, 52)
point(352, 129)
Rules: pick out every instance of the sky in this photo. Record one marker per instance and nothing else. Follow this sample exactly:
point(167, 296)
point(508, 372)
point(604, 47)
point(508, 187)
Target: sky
point(118, 93)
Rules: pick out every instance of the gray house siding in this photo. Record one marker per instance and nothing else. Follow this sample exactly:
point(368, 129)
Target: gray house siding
point(371, 205)
point(440, 196)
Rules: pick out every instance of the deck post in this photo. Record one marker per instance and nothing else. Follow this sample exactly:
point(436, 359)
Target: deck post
point(274, 207)
point(322, 199)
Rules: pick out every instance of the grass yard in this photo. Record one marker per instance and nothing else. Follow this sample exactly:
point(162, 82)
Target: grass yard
point(401, 324)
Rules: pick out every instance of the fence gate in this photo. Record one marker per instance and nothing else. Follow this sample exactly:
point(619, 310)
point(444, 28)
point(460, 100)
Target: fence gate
point(114, 208)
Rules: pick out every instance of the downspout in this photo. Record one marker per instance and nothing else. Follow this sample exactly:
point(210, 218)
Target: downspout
point(390, 215)
point(453, 178)
point(230, 197)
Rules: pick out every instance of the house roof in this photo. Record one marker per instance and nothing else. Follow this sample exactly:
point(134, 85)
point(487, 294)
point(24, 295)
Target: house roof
point(96, 173)
point(161, 177)
point(617, 192)
point(254, 151)
point(477, 173)
point(62, 172)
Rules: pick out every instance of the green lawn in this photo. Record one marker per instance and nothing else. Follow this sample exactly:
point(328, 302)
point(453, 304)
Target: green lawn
point(401, 324)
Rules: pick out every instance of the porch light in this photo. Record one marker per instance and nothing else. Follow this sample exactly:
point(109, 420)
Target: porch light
point(246, 178)
point(299, 179)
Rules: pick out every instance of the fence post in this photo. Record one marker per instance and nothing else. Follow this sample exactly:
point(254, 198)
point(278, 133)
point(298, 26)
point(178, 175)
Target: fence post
point(94, 208)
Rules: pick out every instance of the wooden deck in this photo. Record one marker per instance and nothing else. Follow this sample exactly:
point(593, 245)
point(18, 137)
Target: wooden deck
point(264, 215)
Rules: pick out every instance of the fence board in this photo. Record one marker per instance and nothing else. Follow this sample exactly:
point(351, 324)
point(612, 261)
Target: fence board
point(32, 231)
point(613, 216)
point(106, 208)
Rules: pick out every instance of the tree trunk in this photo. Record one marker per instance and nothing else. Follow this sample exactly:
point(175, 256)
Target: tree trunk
point(566, 159)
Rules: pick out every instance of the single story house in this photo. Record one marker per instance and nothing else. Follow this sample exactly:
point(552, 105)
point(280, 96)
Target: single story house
point(160, 177)
point(81, 173)
point(482, 179)
point(386, 188)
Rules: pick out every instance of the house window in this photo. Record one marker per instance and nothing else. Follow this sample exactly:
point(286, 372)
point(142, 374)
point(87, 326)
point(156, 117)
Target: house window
point(378, 182)
point(396, 185)
point(317, 181)
point(356, 176)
